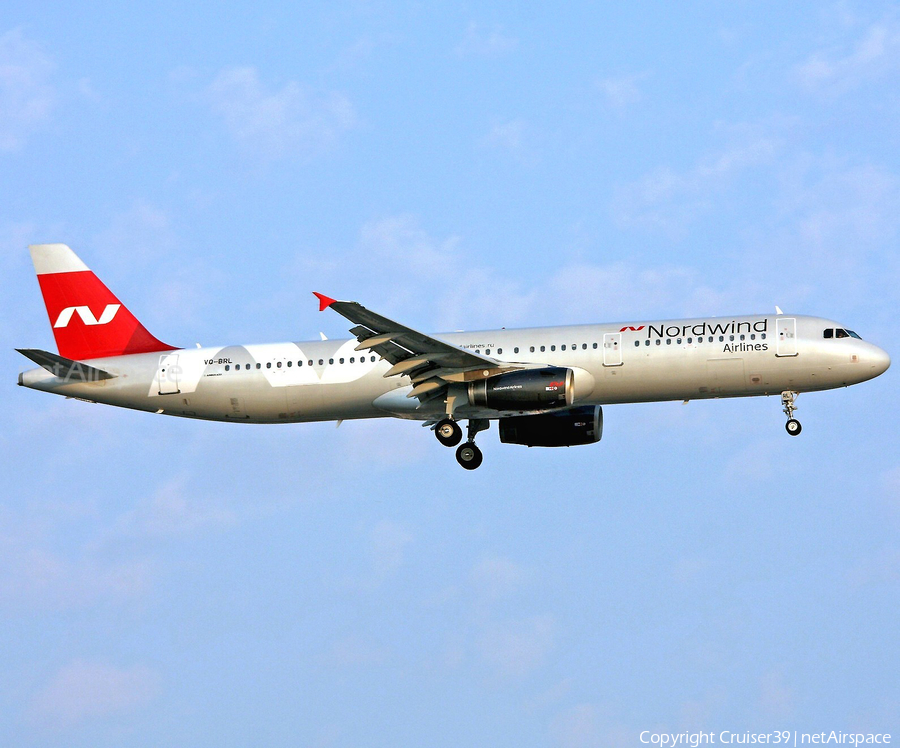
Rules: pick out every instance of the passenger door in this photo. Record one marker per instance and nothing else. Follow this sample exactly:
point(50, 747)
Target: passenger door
point(612, 349)
point(167, 374)
point(786, 329)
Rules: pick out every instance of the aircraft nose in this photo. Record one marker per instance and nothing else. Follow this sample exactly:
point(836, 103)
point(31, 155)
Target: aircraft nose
point(880, 361)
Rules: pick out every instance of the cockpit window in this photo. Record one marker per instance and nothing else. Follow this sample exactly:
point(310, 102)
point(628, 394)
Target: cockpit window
point(829, 333)
point(839, 332)
point(853, 335)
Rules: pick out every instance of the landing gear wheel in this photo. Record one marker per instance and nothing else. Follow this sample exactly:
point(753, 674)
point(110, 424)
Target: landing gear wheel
point(448, 432)
point(793, 427)
point(469, 456)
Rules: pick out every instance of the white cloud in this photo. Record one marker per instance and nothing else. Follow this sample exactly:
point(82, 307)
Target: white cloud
point(496, 577)
point(621, 92)
point(175, 509)
point(295, 120)
point(32, 577)
point(836, 70)
point(514, 649)
point(139, 236)
point(388, 541)
point(482, 42)
point(776, 699)
point(354, 651)
point(880, 567)
point(26, 94)
point(82, 690)
point(396, 253)
point(399, 239)
point(508, 136)
point(670, 200)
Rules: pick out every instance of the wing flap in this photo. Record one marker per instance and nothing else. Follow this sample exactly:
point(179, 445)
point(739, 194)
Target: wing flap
point(429, 362)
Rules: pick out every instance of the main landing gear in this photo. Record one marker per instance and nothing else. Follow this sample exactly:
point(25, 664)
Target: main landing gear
point(793, 426)
point(449, 433)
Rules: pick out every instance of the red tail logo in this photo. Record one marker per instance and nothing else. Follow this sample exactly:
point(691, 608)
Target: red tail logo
point(72, 294)
point(86, 315)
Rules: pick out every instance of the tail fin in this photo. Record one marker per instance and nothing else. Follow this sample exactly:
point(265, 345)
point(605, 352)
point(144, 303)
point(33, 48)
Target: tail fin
point(88, 320)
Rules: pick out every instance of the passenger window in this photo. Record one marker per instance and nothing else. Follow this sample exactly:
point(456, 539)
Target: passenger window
point(290, 364)
point(278, 364)
point(595, 346)
point(678, 341)
point(331, 362)
point(721, 338)
point(268, 364)
point(373, 359)
point(341, 361)
point(658, 341)
point(731, 337)
point(532, 349)
point(637, 343)
point(752, 336)
point(247, 367)
point(259, 366)
point(647, 341)
point(710, 338)
point(309, 363)
point(763, 336)
point(552, 347)
point(742, 336)
point(668, 341)
point(227, 367)
point(499, 351)
point(543, 348)
point(584, 346)
point(516, 349)
point(321, 362)
point(352, 359)
point(562, 347)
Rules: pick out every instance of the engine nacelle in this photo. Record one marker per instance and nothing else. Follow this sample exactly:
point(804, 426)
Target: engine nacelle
point(562, 428)
point(529, 389)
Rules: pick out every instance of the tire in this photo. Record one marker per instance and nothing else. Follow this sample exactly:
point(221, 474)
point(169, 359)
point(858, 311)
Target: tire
point(448, 432)
point(469, 456)
point(793, 427)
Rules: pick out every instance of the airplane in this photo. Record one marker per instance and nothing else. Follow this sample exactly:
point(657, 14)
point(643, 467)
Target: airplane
point(544, 386)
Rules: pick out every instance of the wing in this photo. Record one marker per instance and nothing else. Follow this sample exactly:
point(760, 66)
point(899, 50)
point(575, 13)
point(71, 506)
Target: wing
point(431, 364)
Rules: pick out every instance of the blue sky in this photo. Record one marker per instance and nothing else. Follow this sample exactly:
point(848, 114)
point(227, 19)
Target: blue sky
point(457, 166)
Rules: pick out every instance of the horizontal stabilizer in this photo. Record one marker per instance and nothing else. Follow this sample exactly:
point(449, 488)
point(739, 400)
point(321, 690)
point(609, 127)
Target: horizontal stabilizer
point(65, 368)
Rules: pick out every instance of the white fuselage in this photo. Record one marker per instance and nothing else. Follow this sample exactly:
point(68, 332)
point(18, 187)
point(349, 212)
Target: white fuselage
point(613, 363)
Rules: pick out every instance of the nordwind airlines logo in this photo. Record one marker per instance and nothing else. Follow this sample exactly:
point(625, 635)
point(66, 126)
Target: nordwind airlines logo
point(87, 316)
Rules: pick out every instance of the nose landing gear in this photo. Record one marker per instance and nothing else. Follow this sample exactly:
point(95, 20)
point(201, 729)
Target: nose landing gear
point(792, 426)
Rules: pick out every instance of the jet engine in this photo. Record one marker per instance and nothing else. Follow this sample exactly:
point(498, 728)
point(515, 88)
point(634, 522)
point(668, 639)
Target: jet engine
point(529, 389)
point(561, 428)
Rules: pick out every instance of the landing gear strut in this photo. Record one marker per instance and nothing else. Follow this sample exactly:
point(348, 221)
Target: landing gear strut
point(793, 426)
point(468, 455)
